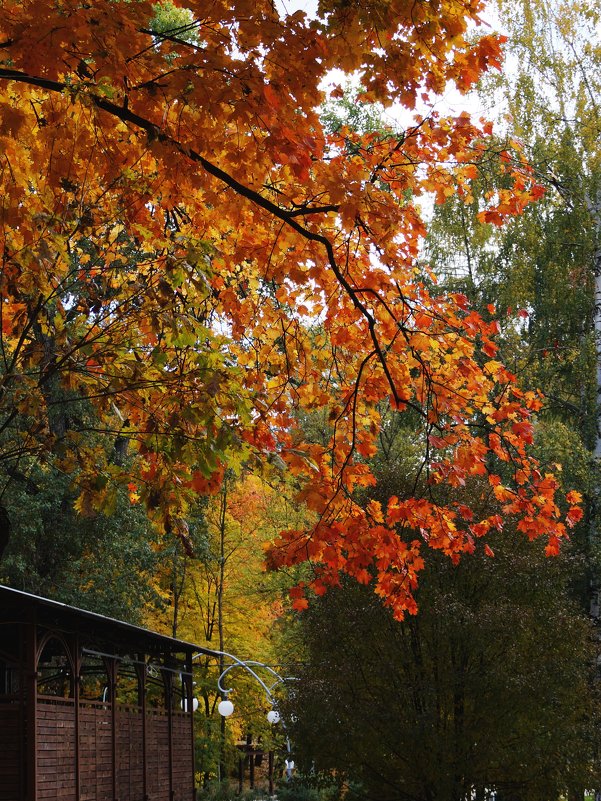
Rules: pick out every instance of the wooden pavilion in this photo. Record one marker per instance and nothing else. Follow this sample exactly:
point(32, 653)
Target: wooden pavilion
point(91, 709)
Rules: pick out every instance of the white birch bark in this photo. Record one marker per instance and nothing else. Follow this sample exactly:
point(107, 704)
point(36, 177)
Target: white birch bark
point(595, 212)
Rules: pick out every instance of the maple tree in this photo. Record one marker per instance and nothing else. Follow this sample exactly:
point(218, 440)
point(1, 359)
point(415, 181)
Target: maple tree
point(185, 247)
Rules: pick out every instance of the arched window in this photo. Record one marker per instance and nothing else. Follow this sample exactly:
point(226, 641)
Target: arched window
point(127, 688)
point(55, 669)
point(93, 679)
point(156, 685)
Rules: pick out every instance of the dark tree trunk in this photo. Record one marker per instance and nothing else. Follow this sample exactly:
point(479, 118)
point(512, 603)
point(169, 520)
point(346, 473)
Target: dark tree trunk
point(5, 529)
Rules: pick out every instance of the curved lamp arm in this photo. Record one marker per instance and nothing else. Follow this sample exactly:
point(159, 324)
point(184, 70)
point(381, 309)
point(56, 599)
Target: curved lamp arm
point(281, 679)
point(248, 666)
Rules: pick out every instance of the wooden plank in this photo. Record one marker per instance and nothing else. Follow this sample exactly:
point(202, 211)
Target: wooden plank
point(183, 757)
point(56, 751)
point(95, 749)
point(129, 748)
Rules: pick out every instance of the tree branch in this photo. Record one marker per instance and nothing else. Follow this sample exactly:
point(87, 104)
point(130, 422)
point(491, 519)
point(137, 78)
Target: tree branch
point(288, 216)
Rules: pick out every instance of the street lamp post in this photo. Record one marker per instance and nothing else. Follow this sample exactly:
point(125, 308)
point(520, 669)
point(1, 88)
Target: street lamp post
point(252, 666)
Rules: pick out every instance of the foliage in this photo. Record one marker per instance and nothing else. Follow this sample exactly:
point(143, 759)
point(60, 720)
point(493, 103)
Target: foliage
point(486, 687)
point(104, 563)
point(222, 792)
point(313, 787)
point(552, 98)
point(186, 247)
point(221, 598)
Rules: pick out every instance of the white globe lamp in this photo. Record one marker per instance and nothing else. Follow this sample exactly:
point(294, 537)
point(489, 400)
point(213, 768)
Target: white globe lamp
point(225, 708)
point(273, 716)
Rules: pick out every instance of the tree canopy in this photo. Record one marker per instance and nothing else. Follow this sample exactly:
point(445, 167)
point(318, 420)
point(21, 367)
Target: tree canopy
point(186, 250)
point(414, 699)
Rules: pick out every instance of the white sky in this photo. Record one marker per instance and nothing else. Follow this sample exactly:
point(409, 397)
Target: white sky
point(453, 102)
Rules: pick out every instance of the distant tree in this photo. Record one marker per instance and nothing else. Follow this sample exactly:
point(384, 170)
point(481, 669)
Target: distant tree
point(220, 596)
point(101, 562)
point(486, 688)
point(539, 272)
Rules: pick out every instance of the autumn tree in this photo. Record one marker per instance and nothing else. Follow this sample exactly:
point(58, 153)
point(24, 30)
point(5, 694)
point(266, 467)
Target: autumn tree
point(187, 248)
point(489, 688)
point(477, 692)
point(221, 598)
point(486, 688)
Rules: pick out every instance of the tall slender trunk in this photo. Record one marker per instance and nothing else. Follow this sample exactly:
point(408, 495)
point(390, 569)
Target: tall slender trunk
point(179, 574)
point(220, 628)
point(594, 208)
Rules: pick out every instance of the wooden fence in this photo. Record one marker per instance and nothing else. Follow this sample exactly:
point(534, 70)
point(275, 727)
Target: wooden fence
point(86, 753)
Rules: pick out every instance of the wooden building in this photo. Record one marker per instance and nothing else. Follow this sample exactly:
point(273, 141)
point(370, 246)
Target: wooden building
point(91, 709)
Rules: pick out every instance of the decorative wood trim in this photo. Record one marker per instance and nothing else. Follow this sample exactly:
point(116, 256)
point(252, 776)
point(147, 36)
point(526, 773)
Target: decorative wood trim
point(76, 697)
point(111, 672)
point(141, 671)
point(30, 635)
